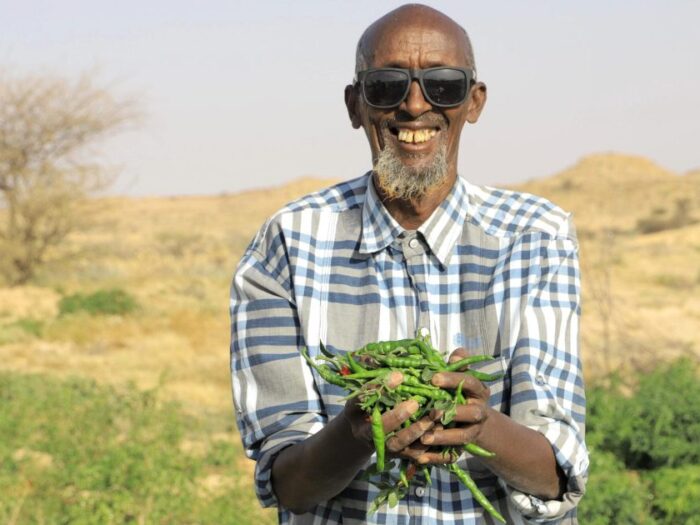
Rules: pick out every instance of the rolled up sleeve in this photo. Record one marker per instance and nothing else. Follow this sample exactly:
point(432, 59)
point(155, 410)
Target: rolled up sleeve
point(276, 401)
point(547, 391)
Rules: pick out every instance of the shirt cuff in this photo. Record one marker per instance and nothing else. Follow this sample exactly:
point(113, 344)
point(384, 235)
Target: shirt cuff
point(269, 452)
point(574, 463)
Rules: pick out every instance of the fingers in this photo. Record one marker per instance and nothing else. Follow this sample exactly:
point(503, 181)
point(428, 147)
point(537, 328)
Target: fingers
point(471, 386)
point(413, 452)
point(395, 417)
point(394, 379)
point(436, 458)
point(404, 437)
point(471, 413)
point(458, 354)
point(450, 436)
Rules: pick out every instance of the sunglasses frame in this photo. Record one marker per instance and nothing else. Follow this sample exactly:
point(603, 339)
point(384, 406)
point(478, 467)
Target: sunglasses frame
point(415, 74)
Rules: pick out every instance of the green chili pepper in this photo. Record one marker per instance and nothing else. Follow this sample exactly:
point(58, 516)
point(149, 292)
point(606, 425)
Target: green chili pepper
point(368, 374)
point(402, 362)
point(468, 361)
point(430, 354)
point(481, 376)
point(403, 479)
point(425, 392)
point(426, 473)
point(378, 436)
point(324, 371)
point(476, 450)
point(478, 495)
point(354, 365)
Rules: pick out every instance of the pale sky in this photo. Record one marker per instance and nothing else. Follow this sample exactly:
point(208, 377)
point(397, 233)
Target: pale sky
point(242, 95)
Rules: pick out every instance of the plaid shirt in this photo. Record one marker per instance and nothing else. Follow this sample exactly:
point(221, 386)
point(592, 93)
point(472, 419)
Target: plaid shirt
point(493, 271)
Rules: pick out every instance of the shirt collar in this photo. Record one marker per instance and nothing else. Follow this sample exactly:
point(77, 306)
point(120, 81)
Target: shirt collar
point(441, 231)
point(379, 228)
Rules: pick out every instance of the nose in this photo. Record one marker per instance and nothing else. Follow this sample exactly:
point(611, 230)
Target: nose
point(415, 103)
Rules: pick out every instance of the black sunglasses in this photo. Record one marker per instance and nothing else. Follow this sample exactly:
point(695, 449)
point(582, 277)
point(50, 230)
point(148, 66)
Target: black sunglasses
point(387, 87)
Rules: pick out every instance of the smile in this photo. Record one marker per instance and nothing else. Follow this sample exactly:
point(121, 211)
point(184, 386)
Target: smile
point(409, 136)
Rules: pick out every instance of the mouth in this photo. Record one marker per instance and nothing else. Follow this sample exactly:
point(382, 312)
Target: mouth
point(414, 138)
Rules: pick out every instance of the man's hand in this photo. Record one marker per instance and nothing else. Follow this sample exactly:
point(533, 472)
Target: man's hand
point(392, 419)
point(470, 417)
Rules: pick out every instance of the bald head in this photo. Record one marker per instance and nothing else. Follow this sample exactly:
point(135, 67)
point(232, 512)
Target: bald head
point(410, 15)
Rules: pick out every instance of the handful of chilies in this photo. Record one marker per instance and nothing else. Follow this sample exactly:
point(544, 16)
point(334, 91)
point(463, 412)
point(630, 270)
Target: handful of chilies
point(364, 372)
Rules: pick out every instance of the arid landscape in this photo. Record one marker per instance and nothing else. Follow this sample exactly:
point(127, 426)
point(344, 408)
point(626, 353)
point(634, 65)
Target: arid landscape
point(639, 231)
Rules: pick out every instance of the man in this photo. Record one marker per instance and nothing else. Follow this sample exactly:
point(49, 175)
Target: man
point(411, 246)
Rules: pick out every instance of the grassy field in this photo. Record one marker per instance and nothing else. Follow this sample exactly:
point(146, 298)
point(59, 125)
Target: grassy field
point(640, 247)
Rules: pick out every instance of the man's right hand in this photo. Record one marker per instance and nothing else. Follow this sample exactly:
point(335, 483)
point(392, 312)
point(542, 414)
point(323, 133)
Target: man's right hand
point(406, 441)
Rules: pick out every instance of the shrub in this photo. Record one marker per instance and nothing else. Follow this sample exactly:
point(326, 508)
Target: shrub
point(664, 419)
point(659, 220)
point(676, 495)
point(102, 302)
point(614, 495)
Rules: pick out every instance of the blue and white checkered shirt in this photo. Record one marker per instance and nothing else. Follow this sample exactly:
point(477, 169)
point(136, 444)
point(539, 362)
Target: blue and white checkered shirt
point(493, 271)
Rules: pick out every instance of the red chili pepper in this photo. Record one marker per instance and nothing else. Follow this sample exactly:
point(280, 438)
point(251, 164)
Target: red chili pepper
point(345, 370)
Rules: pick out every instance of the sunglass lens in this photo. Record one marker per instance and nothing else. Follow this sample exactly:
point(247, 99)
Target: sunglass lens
point(446, 87)
point(385, 88)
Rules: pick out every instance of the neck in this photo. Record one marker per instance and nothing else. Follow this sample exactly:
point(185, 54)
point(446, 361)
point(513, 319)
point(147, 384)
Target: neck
point(412, 213)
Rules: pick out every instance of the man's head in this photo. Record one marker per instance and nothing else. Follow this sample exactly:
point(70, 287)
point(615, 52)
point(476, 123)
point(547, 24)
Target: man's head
point(415, 143)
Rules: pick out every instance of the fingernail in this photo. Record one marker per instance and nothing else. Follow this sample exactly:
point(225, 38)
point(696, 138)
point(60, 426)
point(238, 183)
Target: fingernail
point(437, 380)
point(412, 406)
point(427, 438)
point(423, 460)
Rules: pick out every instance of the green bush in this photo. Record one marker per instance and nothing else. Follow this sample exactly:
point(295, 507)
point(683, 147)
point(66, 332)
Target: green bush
point(659, 425)
point(676, 494)
point(79, 453)
point(614, 495)
point(102, 302)
point(644, 450)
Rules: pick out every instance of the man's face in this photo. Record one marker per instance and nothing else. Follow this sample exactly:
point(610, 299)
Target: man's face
point(416, 142)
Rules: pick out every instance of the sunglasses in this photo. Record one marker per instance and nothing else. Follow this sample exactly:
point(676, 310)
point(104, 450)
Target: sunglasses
point(387, 87)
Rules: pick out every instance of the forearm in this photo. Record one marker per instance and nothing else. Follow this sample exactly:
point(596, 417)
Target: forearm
point(320, 467)
point(524, 458)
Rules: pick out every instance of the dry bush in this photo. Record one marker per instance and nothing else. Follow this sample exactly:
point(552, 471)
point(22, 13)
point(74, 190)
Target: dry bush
point(49, 130)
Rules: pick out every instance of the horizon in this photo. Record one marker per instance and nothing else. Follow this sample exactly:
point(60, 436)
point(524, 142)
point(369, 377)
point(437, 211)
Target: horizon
point(594, 78)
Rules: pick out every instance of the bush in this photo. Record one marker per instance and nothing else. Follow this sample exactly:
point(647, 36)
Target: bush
point(676, 495)
point(80, 453)
point(102, 302)
point(658, 426)
point(644, 450)
point(614, 495)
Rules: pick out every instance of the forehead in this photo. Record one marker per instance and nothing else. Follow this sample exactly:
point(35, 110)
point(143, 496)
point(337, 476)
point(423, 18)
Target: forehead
point(419, 45)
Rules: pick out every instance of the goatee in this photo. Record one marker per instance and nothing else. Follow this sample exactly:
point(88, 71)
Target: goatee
point(398, 181)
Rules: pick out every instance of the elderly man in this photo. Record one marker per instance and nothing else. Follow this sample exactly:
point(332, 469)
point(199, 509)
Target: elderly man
point(412, 246)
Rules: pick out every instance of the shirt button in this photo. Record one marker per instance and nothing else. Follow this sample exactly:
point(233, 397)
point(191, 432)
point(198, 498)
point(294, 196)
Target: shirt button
point(420, 492)
point(413, 243)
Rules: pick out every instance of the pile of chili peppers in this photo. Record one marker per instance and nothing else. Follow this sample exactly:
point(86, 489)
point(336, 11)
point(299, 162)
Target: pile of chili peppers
point(363, 374)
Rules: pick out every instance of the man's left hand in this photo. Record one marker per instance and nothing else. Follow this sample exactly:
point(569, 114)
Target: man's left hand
point(470, 417)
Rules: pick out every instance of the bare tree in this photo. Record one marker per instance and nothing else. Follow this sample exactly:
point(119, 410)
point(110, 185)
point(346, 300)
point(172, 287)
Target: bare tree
point(49, 130)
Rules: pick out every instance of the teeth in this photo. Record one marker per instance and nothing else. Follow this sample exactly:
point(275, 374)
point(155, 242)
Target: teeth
point(420, 135)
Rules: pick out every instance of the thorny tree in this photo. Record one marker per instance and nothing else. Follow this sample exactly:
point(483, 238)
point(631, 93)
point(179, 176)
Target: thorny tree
point(49, 128)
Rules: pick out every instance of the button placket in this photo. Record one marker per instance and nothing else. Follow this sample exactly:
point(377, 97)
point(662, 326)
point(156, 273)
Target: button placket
point(414, 252)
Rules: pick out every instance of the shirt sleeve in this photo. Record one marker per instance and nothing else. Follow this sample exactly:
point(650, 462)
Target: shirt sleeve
point(547, 391)
point(276, 402)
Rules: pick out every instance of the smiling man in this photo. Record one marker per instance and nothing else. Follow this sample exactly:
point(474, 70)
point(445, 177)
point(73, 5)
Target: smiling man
point(411, 246)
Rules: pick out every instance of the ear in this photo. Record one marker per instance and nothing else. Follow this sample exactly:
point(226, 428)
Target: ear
point(477, 101)
point(351, 100)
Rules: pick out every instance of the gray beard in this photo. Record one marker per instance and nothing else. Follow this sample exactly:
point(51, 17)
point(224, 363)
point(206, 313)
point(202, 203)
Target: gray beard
point(398, 181)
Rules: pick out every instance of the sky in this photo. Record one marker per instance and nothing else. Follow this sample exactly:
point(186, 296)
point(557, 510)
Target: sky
point(240, 95)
